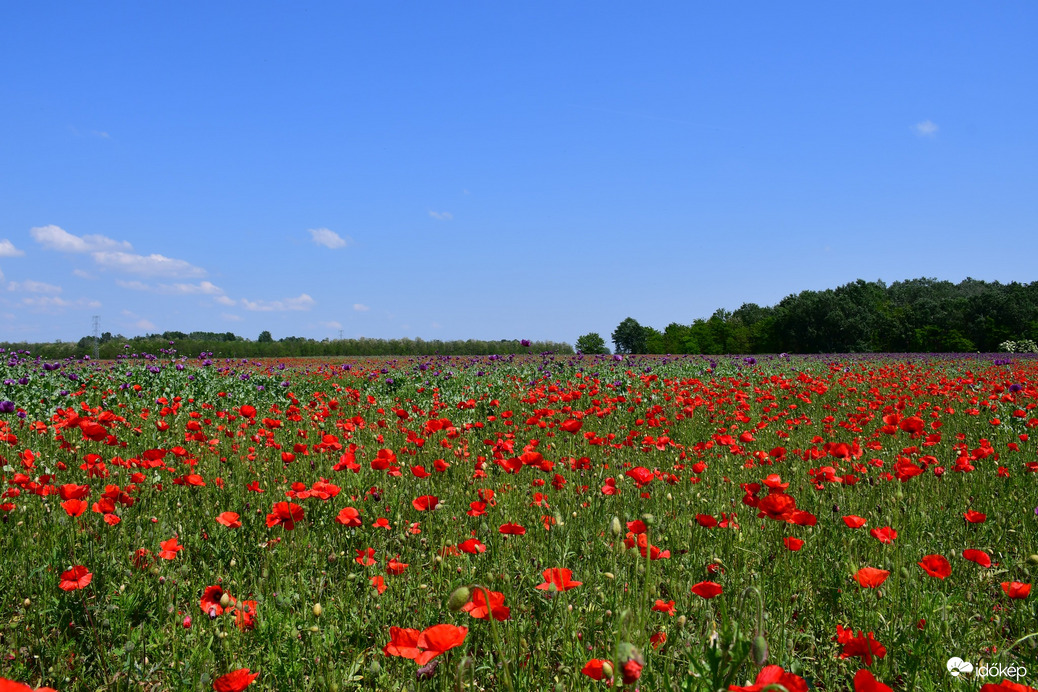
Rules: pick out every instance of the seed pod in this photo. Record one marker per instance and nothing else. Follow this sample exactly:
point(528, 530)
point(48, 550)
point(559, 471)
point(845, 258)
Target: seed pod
point(759, 649)
point(458, 598)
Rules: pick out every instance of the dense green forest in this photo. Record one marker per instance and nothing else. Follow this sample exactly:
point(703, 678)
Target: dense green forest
point(919, 315)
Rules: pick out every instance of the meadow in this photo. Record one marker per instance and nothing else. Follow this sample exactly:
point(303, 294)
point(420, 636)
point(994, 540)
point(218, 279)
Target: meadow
point(538, 522)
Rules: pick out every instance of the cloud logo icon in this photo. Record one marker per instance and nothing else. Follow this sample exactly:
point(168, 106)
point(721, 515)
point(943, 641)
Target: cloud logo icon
point(956, 666)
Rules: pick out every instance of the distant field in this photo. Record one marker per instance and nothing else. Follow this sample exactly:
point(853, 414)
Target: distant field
point(520, 523)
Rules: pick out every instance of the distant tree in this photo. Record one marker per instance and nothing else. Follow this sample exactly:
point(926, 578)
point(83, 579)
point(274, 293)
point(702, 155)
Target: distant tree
point(265, 337)
point(629, 337)
point(592, 343)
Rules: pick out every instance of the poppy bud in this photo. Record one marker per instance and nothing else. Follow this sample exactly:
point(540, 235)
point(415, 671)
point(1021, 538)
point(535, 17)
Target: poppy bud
point(225, 600)
point(607, 669)
point(458, 598)
point(759, 650)
point(318, 610)
point(1033, 559)
point(616, 527)
point(648, 519)
point(187, 622)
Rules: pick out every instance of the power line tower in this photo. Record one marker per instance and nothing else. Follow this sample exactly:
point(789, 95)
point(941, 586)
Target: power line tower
point(340, 335)
point(97, 335)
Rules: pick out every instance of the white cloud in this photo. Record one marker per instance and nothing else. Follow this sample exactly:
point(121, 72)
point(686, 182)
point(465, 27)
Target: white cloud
point(204, 288)
point(328, 238)
point(82, 274)
point(56, 238)
point(7, 249)
point(360, 307)
point(56, 303)
point(441, 215)
point(133, 285)
point(231, 318)
point(30, 286)
point(927, 128)
point(149, 265)
point(303, 302)
point(225, 300)
point(146, 325)
point(331, 325)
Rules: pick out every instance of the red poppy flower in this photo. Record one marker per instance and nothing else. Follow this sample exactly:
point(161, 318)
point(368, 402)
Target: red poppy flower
point(793, 544)
point(235, 681)
point(707, 589)
point(349, 516)
point(77, 578)
point(210, 602)
point(472, 546)
point(707, 521)
point(854, 522)
point(664, 607)
point(770, 676)
point(12, 686)
point(437, 639)
point(1015, 589)
point(641, 476)
point(777, 506)
point(862, 645)
point(402, 642)
point(379, 584)
point(865, 681)
point(477, 605)
point(598, 669)
point(657, 640)
point(229, 519)
point(571, 425)
point(870, 577)
point(1006, 686)
point(884, 535)
point(395, 567)
point(74, 508)
point(974, 517)
point(512, 529)
point(170, 549)
point(557, 579)
point(383, 523)
point(977, 556)
point(286, 514)
point(425, 502)
point(936, 566)
point(365, 557)
point(245, 615)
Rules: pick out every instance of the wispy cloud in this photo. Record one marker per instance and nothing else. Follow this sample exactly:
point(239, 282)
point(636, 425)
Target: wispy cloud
point(148, 265)
point(927, 128)
point(360, 307)
point(144, 324)
point(441, 215)
point(57, 303)
point(83, 274)
point(302, 303)
point(56, 238)
point(328, 238)
point(231, 318)
point(30, 286)
point(331, 324)
point(7, 249)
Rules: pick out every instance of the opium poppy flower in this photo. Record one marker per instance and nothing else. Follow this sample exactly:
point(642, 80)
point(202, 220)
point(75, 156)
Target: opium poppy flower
point(425, 502)
point(512, 529)
point(977, 556)
point(235, 681)
point(402, 642)
point(770, 677)
point(1015, 589)
point(870, 577)
point(477, 605)
point(557, 579)
point(286, 514)
point(229, 519)
point(78, 578)
point(936, 566)
point(707, 589)
point(865, 681)
point(437, 639)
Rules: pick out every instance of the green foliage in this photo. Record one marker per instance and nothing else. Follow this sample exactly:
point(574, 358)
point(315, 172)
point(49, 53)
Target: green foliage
point(629, 337)
point(592, 344)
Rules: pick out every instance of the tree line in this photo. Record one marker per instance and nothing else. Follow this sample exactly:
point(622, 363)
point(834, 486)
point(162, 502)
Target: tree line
point(918, 315)
point(229, 345)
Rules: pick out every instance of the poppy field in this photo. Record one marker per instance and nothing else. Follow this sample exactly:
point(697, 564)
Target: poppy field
point(546, 522)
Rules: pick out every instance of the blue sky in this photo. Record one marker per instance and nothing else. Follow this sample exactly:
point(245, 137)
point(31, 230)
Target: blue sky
point(500, 170)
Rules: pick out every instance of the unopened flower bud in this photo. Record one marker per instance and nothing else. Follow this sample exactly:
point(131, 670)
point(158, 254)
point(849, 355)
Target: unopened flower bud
point(616, 527)
point(759, 650)
point(458, 598)
point(318, 610)
point(225, 600)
